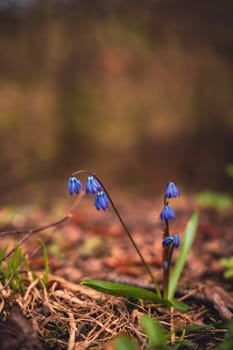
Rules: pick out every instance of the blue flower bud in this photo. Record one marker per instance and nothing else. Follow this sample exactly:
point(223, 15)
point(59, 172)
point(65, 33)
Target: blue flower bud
point(101, 201)
point(167, 213)
point(176, 240)
point(168, 240)
point(165, 265)
point(172, 191)
point(92, 186)
point(74, 185)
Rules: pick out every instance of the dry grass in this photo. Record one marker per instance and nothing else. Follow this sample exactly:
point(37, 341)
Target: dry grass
point(70, 316)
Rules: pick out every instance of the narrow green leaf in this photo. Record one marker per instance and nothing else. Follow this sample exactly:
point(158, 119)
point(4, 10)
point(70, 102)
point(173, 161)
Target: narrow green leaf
point(123, 290)
point(179, 305)
point(188, 238)
point(154, 332)
point(196, 328)
point(3, 253)
point(46, 262)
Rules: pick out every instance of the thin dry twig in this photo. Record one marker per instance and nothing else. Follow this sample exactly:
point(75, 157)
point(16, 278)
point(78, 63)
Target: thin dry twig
point(72, 329)
point(33, 231)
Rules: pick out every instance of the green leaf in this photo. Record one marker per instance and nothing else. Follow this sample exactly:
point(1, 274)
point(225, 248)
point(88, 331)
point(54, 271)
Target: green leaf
point(154, 331)
point(123, 290)
point(3, 253)
point(124, 342)
point(46, 262)
point(188, 239)
point(179, 305)
point(228, 337)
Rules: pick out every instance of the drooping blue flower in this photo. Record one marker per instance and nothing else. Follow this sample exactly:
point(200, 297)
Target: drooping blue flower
point(74, 185)
point(101, 201)
point(92, 186)
point(176, 240)
point(167, 213)
point(172, 191)
point(168, 240)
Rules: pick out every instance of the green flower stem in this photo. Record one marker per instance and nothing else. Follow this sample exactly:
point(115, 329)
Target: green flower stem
point(132, 241)
point(126, 231)
point(167, 256)
point(166, 260)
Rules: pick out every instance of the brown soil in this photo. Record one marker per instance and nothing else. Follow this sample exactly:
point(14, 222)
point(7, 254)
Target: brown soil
point(67, 315)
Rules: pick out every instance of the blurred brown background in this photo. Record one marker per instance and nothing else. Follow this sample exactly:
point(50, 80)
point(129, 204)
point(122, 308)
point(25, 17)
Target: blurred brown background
point(139, 92)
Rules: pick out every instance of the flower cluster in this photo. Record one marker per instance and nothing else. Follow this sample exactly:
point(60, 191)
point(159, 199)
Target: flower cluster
point(93, 186)
point(167, 214)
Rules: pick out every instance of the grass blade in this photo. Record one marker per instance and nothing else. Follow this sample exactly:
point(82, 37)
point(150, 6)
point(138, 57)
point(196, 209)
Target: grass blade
point(46, 262)
point(188, 239)
point(179, 305)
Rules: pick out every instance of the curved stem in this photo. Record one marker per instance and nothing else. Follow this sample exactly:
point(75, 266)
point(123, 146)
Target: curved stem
point(130, 237)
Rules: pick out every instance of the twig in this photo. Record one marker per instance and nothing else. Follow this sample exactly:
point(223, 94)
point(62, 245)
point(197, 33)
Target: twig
point(36, 230)
point(73, 330)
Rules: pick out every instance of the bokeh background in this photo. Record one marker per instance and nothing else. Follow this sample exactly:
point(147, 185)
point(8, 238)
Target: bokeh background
point(141, 92)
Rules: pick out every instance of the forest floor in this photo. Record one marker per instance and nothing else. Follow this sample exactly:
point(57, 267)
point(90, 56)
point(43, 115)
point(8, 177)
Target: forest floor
point(67, 315)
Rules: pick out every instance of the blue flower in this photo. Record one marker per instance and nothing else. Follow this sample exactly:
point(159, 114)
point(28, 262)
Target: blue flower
point(101, 201)
point(172, 191)
point(176, 240)
point(92, 186)
point(168, 240)
point(167, 213)
point(74, 185)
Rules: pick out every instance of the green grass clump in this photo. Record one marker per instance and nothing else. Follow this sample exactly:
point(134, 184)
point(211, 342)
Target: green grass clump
point(10, 268)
